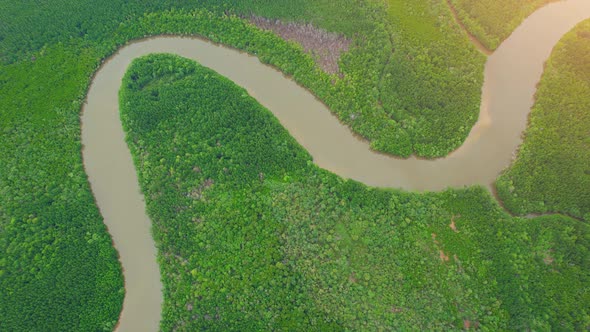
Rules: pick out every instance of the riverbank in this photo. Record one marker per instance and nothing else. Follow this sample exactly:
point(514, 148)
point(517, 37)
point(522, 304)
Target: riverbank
point(248, 244)
point(307, 119)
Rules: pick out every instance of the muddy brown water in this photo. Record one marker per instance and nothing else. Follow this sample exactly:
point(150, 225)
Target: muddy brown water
point(511, 75)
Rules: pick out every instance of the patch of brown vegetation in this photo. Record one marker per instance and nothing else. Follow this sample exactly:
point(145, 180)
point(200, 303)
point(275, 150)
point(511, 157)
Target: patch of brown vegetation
point(170, 255)
point(443, 257)
point(467, 324)
point(452, 224)
point(326, 47)
point(352, 278)
point(197, 193)
point(396, 310)
point(548, 259)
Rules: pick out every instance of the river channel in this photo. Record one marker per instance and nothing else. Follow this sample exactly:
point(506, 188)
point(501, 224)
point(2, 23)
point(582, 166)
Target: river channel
point(511, 75)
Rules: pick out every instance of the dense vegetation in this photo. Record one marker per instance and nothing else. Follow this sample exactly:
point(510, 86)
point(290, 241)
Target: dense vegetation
point(492, 21)
point(253, 236)
point(552, 171)
point(58, 269)
point(45, 199)
point(411, 83)
point(414, 78)
point(431, 84)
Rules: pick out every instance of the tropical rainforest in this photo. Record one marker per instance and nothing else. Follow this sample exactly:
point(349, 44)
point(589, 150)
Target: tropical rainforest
point(323, 253)
point(246, 244)
point(410, 84)
point(552, 171)
point(493, 21)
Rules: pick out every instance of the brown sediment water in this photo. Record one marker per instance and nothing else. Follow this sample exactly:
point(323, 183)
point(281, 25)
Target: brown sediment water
point(511, 75)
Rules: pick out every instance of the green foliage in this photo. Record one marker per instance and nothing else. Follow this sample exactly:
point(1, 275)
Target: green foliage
point(432, 82)
point(58, 269)
point(410, 85)
point(253, 236)
point(41, 97)
point(492, 21)
point(552, 171)
point(59, 272)
point(41, 175)
point(218, 243)
point(540, 265)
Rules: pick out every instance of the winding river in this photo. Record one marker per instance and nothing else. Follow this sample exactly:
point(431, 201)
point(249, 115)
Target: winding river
point(511, 75)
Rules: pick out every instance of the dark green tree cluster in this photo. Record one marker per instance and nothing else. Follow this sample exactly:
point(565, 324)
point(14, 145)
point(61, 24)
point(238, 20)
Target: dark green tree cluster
point(431, 84)
point(218, 242)
point(58, 268)
point(411, 83)
point(253, 236)
point(552, 171)
point(42, 178)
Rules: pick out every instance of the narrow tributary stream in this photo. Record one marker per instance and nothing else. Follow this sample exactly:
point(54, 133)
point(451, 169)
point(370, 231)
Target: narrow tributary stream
point(511, 75)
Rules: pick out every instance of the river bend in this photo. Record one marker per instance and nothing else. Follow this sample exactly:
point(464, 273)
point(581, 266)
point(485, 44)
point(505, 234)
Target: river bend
point(511, 75)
